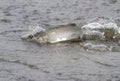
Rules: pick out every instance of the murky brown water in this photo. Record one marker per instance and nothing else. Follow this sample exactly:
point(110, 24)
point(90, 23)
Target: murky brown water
point(26, 61)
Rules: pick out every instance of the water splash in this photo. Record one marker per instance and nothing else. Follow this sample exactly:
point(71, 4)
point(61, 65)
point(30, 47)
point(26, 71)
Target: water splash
point(97, 47)
point(97, 25)
point(32, 30)
point(104, 30)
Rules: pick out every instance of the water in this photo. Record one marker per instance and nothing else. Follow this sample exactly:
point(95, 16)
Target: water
point(26, 61)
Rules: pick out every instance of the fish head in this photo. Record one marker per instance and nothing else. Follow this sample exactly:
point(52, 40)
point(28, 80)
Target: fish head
point(39, 37)
point(42, 39)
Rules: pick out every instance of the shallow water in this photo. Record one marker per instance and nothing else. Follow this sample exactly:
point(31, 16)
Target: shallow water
point(26, 61)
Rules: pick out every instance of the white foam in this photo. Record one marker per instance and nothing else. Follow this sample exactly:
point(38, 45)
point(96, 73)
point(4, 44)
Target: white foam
point(33, 30)
point(111, 25)
point(119, 30)
point(100, 47)
point(94, 25)
point(93, 32)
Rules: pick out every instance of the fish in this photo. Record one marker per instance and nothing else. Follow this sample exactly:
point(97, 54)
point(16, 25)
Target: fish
point(57, 34)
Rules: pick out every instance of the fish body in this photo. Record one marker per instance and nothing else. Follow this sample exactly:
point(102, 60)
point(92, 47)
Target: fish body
point(57, 34)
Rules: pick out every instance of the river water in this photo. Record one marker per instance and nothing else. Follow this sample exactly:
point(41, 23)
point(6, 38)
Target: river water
point(26, 61)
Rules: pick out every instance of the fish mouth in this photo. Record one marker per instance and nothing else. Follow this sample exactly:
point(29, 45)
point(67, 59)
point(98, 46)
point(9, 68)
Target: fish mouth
point(40, 39)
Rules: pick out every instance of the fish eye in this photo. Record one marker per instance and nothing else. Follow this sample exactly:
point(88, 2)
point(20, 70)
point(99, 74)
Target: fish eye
point(30, 36)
